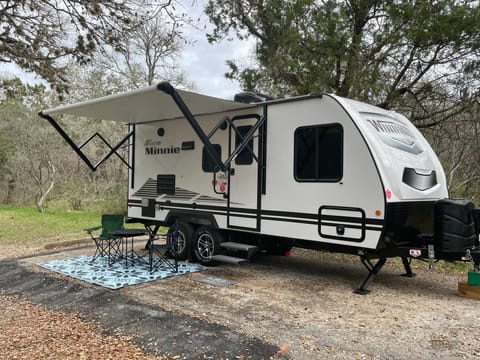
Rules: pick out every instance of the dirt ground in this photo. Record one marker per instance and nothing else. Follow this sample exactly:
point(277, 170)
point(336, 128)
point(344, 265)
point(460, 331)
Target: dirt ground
point(305, 305)
point(30, 331)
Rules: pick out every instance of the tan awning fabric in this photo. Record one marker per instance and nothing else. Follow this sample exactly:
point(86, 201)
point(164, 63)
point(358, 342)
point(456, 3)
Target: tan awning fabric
point(145, 105)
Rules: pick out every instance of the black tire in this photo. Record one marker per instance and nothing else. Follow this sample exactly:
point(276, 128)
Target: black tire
point(184, 241)
point(206, 243)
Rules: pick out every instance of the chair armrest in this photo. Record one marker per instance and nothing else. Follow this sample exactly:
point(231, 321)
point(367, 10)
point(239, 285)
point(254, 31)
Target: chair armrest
point(90, 230)
point(151, 245)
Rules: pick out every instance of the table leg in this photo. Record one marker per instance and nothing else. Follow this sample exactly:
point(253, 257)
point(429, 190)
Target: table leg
point(126, 251)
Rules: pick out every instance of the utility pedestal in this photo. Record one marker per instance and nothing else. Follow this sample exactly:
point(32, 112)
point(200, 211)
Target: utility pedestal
point(471, 288)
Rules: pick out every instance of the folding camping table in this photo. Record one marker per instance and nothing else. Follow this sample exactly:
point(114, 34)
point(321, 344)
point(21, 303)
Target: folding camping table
point(127, 252)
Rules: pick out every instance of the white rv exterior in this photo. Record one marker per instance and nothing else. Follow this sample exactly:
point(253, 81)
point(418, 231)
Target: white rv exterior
point(296, 185)
point(375, 148)
point(317, 171)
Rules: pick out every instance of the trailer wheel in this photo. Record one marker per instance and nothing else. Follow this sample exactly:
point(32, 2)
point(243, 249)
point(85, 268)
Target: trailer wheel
point(184, 241)
point(206, 243)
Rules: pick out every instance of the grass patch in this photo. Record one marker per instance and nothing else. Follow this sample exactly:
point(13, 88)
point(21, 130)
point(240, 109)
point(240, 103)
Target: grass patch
point(26, 226)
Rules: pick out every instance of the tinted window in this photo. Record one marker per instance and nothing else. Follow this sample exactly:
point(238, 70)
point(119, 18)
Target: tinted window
point(245, 157)
point(319, 153)
point(208, 164)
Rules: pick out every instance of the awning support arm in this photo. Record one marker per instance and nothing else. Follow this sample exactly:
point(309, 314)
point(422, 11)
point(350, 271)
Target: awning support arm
point(78, 149)
point(245, 140)
point(167, 88)
point(112, 149)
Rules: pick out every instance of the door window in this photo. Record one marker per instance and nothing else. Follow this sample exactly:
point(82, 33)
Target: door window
point(245, 157)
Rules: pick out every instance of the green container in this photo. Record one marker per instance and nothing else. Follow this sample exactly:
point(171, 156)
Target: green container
point(473, 278)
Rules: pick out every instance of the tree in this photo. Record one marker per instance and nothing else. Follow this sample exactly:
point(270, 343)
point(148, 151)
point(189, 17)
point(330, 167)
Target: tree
point(34, 166)
point(30, 167)
point(408, 55)
point(421, 58)
point(45, 37)
point(37, 34)
point(457, 143)
point(146, 53)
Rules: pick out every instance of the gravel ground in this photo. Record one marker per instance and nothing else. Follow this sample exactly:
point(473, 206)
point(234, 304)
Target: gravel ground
point(29, 331)
point(304, 304)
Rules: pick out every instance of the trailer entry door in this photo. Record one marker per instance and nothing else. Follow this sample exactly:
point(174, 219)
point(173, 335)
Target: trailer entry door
point(245, 176)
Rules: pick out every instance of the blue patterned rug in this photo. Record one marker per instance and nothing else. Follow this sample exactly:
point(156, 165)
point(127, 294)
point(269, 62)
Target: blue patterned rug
point(116, 275)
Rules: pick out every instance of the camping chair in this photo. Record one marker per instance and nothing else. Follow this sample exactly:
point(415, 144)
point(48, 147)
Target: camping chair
point(158, 254)
point(106, 244)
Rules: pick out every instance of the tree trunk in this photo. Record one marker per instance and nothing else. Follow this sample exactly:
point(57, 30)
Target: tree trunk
point(51, 176)
point(11, 191)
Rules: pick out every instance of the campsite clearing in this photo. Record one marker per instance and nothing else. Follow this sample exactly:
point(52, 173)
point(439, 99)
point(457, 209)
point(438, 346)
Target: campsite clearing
point(304, 305)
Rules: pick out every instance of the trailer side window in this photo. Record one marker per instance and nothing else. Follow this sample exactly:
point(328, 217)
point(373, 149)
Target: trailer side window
point(208, 164)
point(245, 157)
point(318, 153)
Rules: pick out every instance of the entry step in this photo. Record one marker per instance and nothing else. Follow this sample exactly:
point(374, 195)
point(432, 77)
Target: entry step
point(239, 247)
point(229, 259)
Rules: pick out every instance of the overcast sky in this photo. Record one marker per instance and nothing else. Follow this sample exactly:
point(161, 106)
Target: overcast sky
point(203, 64)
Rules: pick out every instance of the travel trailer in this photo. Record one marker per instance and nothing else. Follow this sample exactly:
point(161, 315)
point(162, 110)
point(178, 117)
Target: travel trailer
point(259, 175)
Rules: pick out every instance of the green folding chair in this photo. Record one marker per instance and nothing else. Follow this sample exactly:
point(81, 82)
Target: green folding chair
point(107, 245)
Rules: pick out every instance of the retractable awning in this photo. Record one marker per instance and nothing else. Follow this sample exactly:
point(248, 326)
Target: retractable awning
point(145, 105)
point(153, 103)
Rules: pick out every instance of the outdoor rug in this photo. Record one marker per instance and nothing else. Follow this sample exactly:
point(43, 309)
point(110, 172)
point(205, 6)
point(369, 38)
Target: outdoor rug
point(115, 276)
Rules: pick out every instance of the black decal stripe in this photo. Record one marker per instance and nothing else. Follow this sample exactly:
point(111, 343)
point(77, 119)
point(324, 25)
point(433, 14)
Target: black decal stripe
point(274, 215)
point(279, 219)
point(353, 220)
point(349, 219)
point(369, 228)
point(175, 207)
point(243, 216)
point(221, 213)
point(291, 214)
point(241, 227)
point(299, 221)
point(347, 226)
point(200, 211)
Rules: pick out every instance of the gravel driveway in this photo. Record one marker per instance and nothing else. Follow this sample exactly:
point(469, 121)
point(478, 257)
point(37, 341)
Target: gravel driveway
point(304, 305)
